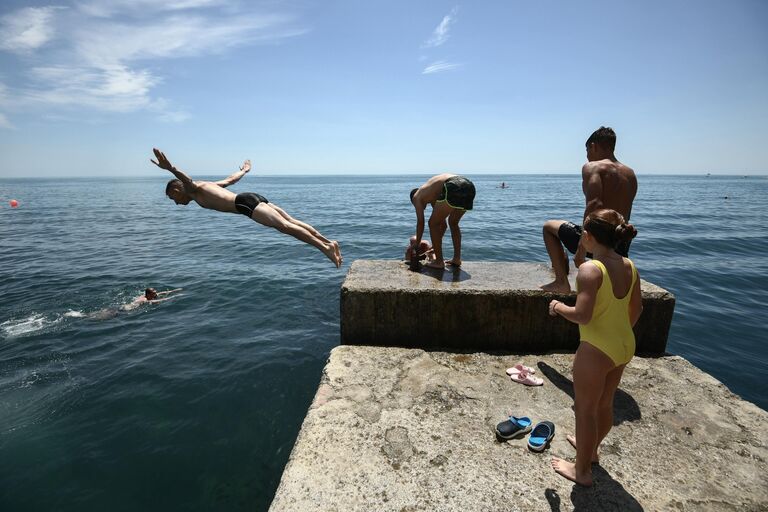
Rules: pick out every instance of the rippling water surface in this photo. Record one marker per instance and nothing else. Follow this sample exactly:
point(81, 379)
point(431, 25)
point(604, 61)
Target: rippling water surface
point(194, 404)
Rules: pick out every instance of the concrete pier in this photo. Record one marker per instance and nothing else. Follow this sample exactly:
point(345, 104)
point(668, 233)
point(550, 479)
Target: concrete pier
point(483, 306)
point(402, 429)
point(394, 429)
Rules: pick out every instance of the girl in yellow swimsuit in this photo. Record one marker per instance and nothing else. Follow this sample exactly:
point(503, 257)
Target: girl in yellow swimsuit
point(608, 304)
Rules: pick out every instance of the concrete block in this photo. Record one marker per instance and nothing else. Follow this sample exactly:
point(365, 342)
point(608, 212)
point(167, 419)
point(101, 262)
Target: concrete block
point(483, 306)
point(394, 429)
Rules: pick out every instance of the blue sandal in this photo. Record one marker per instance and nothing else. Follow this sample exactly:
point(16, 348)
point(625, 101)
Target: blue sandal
point(513, 427)
point(542, 434)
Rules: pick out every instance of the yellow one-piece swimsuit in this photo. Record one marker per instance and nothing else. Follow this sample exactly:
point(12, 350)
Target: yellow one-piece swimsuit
point(609, 329)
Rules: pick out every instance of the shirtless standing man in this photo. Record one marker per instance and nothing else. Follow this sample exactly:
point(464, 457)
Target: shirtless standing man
point(215, 196)
point(607, 183)
point(450, 196)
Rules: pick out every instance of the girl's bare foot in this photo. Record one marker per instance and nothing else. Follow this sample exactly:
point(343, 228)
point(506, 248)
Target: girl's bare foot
point(337, 250)
point(454, 262)
point(568, 470)
point(572, 440)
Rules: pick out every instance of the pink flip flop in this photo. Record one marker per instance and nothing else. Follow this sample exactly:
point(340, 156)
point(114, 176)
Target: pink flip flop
point(526, 378)
point(520, 367)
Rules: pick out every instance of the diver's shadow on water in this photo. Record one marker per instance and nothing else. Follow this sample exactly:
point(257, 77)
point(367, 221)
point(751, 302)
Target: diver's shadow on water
point(605, 494)
point(625, 407)
point(449, 274)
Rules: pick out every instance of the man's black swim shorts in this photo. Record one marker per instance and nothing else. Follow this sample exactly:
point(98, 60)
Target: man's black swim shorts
point(458, 192)
point(247, 202)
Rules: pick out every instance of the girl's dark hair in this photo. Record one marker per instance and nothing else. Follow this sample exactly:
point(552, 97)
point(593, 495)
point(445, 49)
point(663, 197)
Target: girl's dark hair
point(609, 228)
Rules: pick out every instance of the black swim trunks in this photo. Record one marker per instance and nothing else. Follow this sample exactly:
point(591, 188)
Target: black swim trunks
point(247, 202)
point(570, 234)
point(458, 192)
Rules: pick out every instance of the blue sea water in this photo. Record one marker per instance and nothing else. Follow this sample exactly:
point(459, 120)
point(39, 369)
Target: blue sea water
point(195, 403)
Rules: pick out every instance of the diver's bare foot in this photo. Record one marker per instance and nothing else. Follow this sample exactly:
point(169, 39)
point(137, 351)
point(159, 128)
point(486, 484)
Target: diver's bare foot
point(572, 440)
point(568, 470)
point(330, 251)
point(557, 287)
point(337, 250)
point(436, 264)
point(454, 262)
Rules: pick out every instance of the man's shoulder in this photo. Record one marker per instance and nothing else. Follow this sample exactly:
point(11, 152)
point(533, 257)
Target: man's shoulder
point(626, 170)
point(206, 185)
point(607, 166)
point(591, 168)
point(604, 164)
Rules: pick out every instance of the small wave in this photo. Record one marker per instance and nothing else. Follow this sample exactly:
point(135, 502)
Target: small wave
point(74, 314)
point(20, 327)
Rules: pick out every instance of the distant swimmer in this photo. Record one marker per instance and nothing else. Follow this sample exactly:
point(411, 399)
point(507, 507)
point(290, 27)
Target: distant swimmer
point(150, 296)
point(450, 197)
point(606, 183)
point(215, 196)
point(503, 185)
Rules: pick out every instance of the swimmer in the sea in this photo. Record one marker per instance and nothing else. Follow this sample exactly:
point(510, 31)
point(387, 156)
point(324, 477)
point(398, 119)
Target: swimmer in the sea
point(215, 196)
point(150, 296)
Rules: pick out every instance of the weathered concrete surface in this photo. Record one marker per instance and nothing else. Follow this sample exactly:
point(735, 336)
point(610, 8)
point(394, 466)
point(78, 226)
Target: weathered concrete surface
point(395, 429)
point(483, 306)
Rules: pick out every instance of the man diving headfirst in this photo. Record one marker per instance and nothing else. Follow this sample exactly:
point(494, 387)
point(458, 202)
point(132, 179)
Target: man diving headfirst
point(215, 196)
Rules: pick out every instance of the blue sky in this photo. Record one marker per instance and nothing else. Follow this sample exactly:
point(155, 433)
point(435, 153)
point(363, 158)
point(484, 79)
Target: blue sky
point(89, 87)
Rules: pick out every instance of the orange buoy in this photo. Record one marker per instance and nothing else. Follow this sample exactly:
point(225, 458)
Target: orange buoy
point(14, 203)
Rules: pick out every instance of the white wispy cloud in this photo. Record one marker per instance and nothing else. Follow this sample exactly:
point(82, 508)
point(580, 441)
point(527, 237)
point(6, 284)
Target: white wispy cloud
point(439, 66)
point(440, 34)
point(5, 123)
point(108, 8)
point(26, 29)
point(177, 36)
point(107, 53)
point(113, 88)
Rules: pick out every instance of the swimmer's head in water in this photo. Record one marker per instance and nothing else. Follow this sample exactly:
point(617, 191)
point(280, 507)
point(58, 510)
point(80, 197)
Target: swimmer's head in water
point(150, 293)
point(175, 190)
